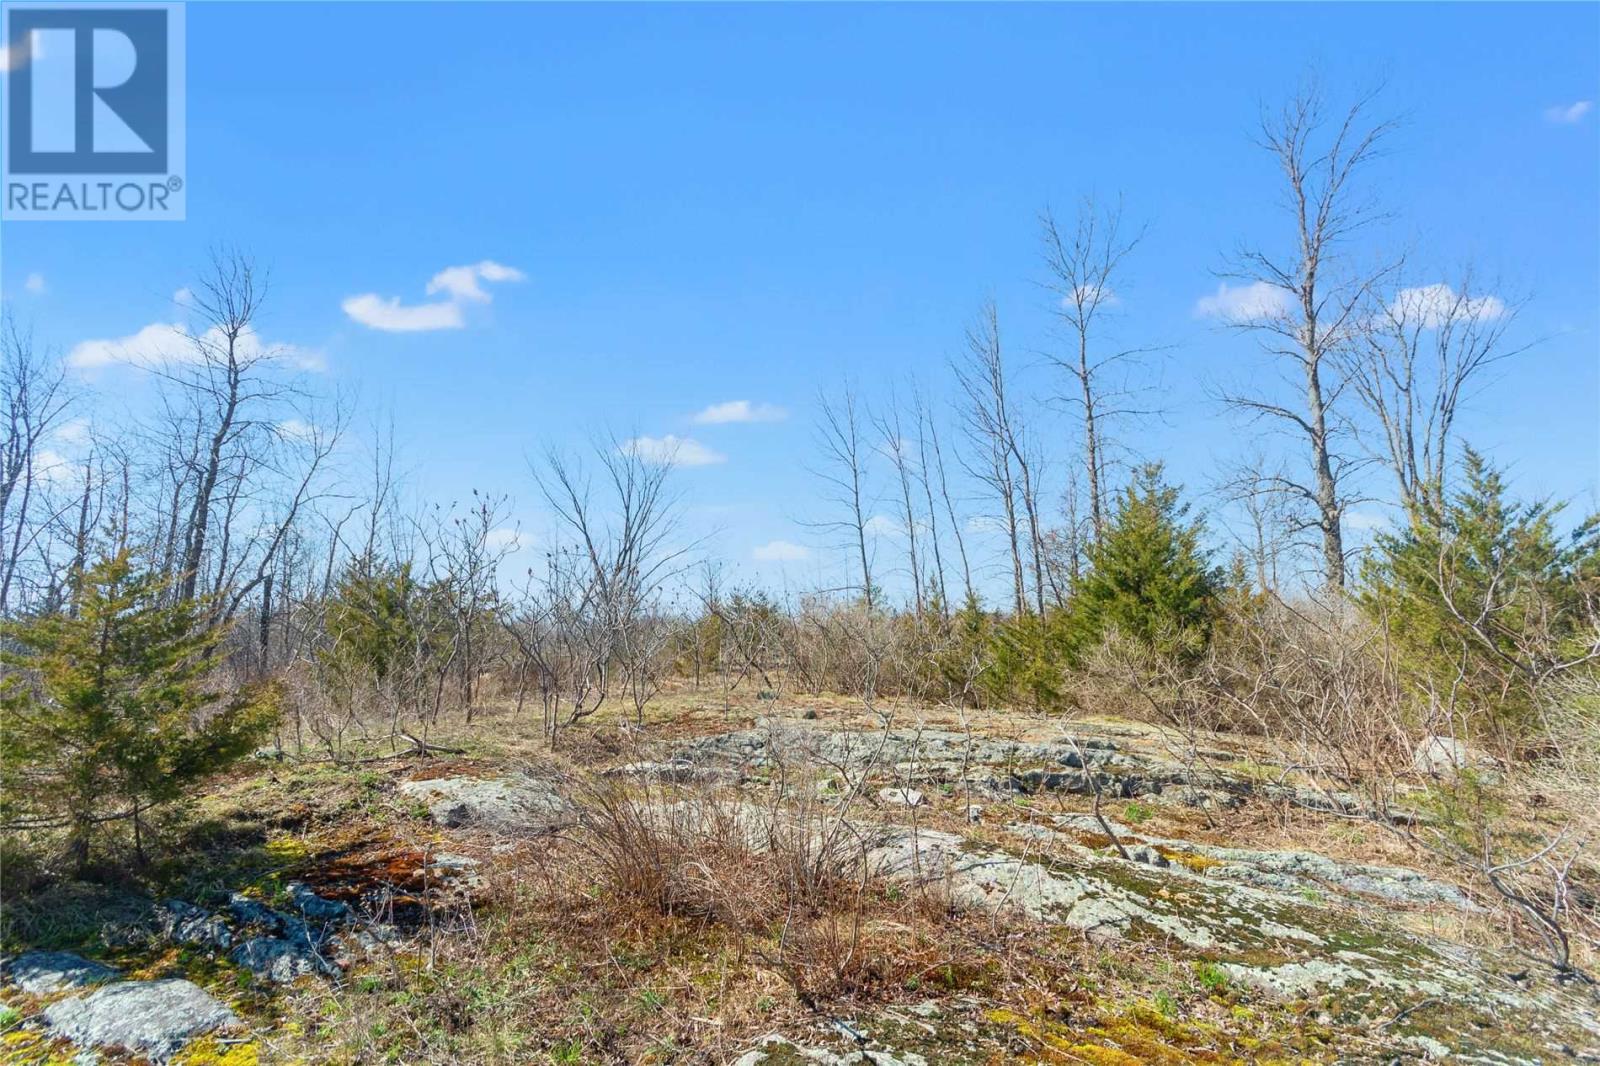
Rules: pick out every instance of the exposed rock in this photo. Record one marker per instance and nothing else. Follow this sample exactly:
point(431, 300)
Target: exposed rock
point(936, 753)
point(1439, 756)
point(1201, 798)
point(1431, 1048)
point(249, 912)
point(1107, 899)
point(1295, 980)
point(901, 797)
point(776, 1049)
point(1102, 921)
point(151, 1018)
point(758, 1054)
point(520, 803)
point(185, 923)
point(1295, 872)
point(280, 961)
point(446, 864)
point(680, 772)
point(1149, 856)
point(40, 973)
point(1089, 765)
point(315, 908)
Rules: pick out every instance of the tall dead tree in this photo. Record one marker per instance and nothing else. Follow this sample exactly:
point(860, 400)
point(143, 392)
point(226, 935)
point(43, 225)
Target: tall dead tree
point(1307, 301)
point(1083, 266)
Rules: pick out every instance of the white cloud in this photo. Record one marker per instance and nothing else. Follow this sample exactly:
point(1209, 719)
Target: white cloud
point(679, 451)
point(1243, 303)
point(301, 358)
point(1431, 305)
point(391, 316)
point(53, 468)
point(35, 284)
point(880, 525)
point(170, 342)
point(740, 411)
point(458, 284)
point(297, 429)
point(73, 432)
point(780, 551)
point(508, 538)
point(1092, 296)
point(1568, 114)
point(461, 282)
point(156, 343)
point(184, 297)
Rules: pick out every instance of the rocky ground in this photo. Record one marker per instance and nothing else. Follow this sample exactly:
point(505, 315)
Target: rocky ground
point(1031, 891)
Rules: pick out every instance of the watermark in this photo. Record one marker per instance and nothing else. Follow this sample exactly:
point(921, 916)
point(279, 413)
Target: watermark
point(94, 112)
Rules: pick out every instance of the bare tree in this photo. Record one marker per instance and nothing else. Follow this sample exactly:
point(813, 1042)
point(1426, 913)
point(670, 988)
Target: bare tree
point(464, 553)
point(1413, 366)
point(1083, 270)
point(919, 412)
point(33, 402)
point(1001, 459)
point(897, 447)
point(602, 595)
point(1307, 303)
point(222, 386)
point(844, 471)
point(932, 441)
point(243, 447)
point(1273, 518)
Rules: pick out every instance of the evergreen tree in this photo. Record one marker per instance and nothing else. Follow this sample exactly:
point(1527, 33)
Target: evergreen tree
point(963, 657)
point(1027, 662)
point(108, 708)
point(1483, 600)
point(1148, 576)
point(379, 620)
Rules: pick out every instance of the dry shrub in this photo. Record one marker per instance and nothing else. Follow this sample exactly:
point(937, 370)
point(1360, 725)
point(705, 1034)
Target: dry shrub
point(678, 856)
point(787, 878)
point(1573, 723)
point(1308, 677)
point(1313, 675)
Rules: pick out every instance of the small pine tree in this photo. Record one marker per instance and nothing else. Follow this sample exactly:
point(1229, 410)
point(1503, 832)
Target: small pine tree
point(1148, 576)
point(1027, 663)
point(108, 709)
point(963, 659)
point(376, 620)
point(1482, 600)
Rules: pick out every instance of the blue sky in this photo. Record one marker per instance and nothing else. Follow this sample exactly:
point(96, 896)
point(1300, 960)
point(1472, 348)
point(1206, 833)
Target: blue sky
point(712, 203)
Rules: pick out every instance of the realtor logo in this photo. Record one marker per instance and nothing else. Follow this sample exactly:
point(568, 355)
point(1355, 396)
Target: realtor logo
point(94, 112)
